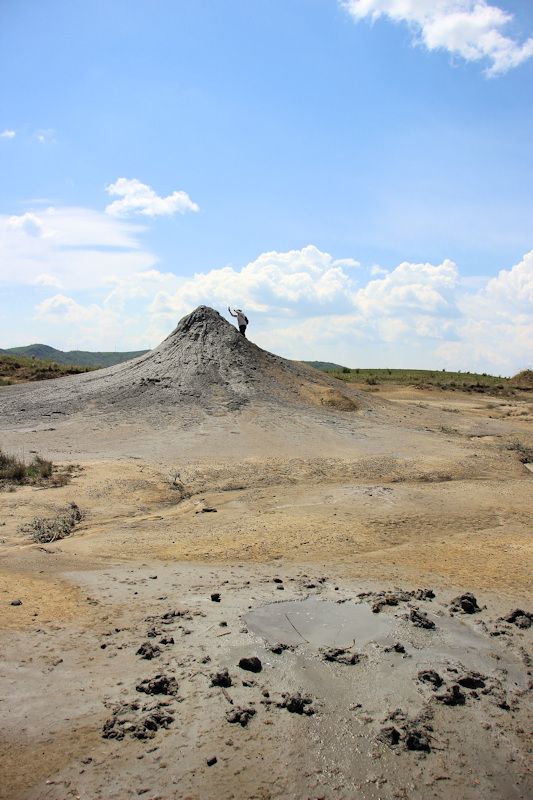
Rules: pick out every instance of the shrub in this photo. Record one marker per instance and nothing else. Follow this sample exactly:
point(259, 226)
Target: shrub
point(14, 470)
point(45, 530)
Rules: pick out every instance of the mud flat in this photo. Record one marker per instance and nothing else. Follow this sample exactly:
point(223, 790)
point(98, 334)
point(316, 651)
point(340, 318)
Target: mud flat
point(272, 592)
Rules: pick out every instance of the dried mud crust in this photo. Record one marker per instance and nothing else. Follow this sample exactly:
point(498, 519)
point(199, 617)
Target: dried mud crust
point(417, 705)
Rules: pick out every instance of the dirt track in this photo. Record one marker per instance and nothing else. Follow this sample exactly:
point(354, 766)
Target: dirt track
point(417, 490)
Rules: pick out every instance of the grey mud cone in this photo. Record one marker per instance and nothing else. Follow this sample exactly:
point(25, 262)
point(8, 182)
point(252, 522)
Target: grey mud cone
point(203, 367)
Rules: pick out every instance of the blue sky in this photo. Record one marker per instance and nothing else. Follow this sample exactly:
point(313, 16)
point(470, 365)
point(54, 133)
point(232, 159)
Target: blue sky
point(357, 175)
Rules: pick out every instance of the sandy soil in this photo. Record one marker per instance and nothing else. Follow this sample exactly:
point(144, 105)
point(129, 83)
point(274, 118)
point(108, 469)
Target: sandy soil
point(284, 498)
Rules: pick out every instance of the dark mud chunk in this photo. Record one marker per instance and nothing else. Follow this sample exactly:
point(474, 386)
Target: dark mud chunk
point(152, 632)
point(522, 619)
point(389, 735)
point(222, 678)
point(148, 725)
point(148, 650)
point(279, 648)
point(159, 684)
point(419, 619)
point(417, 739)
point(129, 719)
point(297, 703)
point(215, 597)
point(170, 616)
point(424, 594)
point(453, 696)
point(341, 656)
point(251, 664)
point(472, 680)
point(396, 648)
point(211, 761)
point(396, 714)
point(167, 640)
point(16, 603)
point(465, 603)
point(385, 599)
point(113, 728)
point(430, 676)
point(240, 715)
point(277, 580)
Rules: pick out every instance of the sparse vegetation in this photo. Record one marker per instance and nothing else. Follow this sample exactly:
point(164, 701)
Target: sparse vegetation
point(21, 369)
point(15, 471)
point(46, 529)
point(523, 379)
point(427, 379)
point(525, 453)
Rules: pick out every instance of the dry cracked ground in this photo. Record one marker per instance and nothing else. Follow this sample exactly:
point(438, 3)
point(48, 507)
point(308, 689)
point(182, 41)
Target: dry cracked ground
point(280, 587)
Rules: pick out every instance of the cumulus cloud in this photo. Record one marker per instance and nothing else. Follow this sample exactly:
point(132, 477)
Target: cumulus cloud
point(426, 288)
point(495, 330)
point(8, 134)
point(139, 198)
point(471, 29)
point(289, 282)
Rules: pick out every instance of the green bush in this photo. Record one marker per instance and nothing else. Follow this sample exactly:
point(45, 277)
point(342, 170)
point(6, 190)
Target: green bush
point(15, 470)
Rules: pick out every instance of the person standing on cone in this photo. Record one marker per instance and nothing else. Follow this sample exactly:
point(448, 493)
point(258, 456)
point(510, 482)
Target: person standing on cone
point(242, 319)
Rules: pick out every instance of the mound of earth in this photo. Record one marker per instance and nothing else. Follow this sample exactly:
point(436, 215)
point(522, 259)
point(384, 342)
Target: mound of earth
point(204, 363)
point(523, 379)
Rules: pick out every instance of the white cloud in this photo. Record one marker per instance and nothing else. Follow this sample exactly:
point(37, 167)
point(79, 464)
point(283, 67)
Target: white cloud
point(66, 308)
point(45, 136)
point(471, 29)
point(289, 283)
point(28, 223)
point(138, 198)
point(495, 331)
point(47, 280)
point(8, 134)
point(76, 248)
point(410, 287)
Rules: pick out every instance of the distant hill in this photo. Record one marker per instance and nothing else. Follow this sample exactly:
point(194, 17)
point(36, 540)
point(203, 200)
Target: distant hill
point(79, 358)
point(325, 366)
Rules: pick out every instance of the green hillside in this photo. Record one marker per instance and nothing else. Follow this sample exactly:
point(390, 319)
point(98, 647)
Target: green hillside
point(79, 358)
point(325, 366)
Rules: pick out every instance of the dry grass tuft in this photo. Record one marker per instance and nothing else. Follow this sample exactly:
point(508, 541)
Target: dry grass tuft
point(45, 530)
point(525, 453)
point(39, 472)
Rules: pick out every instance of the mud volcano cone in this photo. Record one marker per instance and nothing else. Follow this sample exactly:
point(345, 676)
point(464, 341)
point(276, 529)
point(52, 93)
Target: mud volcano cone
point(204, 366)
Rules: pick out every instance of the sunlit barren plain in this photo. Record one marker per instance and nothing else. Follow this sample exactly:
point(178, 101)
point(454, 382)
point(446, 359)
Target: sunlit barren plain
point(208, 481)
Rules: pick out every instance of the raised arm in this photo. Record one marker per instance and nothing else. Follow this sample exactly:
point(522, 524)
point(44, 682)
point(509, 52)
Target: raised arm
point(231, 312)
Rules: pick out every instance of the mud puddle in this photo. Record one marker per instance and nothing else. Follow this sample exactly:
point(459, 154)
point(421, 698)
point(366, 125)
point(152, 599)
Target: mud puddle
point(321, 623)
